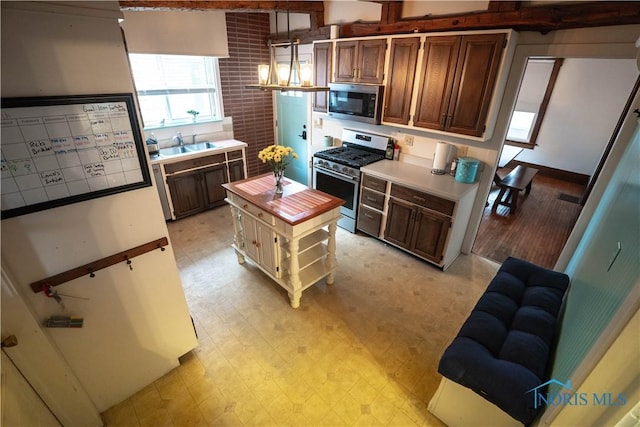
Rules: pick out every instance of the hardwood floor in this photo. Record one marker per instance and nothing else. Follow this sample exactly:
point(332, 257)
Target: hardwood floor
point(538, 230)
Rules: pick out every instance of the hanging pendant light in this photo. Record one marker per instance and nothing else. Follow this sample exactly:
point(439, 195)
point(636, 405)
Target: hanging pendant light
point(282, 76)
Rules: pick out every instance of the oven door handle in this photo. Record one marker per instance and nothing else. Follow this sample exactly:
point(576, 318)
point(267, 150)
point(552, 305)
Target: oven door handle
point(337, 174)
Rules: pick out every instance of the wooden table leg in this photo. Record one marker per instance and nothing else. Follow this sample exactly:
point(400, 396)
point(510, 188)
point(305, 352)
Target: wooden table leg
point(513, 205)
point(498, 199)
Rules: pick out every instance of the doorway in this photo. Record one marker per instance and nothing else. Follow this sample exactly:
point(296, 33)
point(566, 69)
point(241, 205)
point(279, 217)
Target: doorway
point(582, 114)
point(292, 110)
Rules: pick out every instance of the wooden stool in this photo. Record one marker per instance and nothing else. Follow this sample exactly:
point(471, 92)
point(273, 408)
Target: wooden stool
point(518, 179)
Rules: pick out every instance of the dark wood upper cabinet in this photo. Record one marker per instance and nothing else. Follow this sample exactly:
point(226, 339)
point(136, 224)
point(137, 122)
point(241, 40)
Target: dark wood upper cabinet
point(322, 74)
point(458, 77)
point(399, 88)
point(437, 71)
point(360, 61)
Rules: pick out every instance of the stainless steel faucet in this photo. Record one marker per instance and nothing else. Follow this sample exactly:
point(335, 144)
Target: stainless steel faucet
point(179, 138)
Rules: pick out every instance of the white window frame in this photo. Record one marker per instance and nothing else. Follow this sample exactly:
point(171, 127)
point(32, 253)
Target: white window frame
point(213, 88)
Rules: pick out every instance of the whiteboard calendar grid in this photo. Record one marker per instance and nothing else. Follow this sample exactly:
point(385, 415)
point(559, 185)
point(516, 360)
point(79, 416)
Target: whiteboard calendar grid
point(61, 150)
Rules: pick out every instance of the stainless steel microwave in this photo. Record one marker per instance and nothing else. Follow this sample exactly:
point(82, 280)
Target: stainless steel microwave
point(362, 103)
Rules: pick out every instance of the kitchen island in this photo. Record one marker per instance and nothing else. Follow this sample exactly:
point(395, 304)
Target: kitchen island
point(289, 236)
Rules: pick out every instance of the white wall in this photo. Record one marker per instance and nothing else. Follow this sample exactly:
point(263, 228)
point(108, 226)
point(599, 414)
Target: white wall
point(136, 323)
point(583, 110)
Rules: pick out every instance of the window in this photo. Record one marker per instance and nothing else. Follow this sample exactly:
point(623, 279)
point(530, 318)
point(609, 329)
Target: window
point(169, 86)
point(533, 97)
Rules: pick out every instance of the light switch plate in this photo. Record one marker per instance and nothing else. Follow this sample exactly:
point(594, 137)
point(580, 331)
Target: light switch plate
point(408, 140)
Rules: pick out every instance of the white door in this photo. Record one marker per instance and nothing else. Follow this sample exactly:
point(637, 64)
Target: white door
point(41, 364)
point(21, 406)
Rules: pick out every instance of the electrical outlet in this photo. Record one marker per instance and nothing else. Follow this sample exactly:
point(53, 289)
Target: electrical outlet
point(317, 123)
point(408, 140)
point(462, 150)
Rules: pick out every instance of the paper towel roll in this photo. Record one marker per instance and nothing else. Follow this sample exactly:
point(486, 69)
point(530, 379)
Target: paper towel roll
point(441, 157)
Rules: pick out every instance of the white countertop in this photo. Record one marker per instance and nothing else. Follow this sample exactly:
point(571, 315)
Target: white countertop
point(420, 178)
point(220, 147)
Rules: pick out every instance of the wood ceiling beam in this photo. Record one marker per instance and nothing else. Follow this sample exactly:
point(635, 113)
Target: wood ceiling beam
point(230, 6)
point(536, 18)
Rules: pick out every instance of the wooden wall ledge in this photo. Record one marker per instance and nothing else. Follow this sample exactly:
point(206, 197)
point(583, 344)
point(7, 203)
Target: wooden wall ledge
point(92, 267)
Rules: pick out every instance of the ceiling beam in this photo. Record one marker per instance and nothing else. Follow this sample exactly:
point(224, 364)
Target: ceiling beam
point(542, 19)
point(229, 6)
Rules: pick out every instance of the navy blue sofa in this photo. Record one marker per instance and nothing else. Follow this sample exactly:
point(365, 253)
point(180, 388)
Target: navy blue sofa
point(503, 349)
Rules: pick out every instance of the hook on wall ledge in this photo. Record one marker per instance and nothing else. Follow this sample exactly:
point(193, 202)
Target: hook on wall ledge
point(94, 266)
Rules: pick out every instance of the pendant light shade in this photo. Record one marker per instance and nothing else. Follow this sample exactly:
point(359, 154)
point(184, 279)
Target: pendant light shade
point(283, 76)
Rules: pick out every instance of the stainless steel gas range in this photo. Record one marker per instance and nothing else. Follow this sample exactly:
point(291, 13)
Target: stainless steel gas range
point(337, 171)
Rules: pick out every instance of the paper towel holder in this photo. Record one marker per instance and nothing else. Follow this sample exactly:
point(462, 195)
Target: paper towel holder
point(440, 158)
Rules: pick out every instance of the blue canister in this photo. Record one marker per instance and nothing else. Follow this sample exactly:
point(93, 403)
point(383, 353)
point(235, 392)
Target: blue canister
point(467, 170)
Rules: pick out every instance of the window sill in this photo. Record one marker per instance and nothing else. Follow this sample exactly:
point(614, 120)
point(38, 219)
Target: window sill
point(182, 124)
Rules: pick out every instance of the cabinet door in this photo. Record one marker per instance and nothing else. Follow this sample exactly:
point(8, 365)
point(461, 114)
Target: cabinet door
point(236, 170)
point(478, 64)
point(267, 249)
point(346, 61)
point(371, 61)
point(400, 217)
point(322, 74)
point(213, 192)
point(186, 193)
point(399, 88)
point(250, 232)
point(430, 235)
point(260, 244)
point(436, 81)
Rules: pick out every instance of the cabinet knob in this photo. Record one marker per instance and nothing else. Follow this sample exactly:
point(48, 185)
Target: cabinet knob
point(245, 206)
point(257, 244)
point(260, 215)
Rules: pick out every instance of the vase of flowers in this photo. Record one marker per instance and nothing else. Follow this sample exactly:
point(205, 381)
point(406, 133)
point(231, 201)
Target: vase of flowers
point(277, 157)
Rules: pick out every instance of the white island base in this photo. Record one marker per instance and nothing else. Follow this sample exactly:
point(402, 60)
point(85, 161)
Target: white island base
point(291, 237)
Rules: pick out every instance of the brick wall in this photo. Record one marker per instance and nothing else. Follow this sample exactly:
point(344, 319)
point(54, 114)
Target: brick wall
point(251, 109)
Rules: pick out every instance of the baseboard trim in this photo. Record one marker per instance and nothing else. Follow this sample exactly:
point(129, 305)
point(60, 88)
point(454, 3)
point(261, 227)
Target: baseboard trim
point(577, 178)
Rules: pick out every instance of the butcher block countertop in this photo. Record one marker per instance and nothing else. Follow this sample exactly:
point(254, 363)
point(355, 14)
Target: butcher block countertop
point(297, 203)
point(419, 178)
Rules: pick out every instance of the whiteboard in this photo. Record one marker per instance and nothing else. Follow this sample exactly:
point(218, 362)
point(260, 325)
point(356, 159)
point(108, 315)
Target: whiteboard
point(61, 150)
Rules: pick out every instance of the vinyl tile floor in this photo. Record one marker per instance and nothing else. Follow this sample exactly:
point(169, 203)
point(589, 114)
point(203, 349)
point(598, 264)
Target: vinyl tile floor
point(363, 351)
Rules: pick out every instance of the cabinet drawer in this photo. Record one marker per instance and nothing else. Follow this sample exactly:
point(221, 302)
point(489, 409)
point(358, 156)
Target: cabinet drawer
point(369, 221)
point(252, 209)
point(372, 198)
point(423, 199)
point(193, 163)
point(374, 183)
point(235, 154)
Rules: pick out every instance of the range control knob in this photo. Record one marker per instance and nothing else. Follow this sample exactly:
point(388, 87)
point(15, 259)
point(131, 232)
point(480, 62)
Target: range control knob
point(345, 169)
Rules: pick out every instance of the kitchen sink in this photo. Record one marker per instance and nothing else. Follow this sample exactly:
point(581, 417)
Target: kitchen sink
point(201, 146)
point(172, 151)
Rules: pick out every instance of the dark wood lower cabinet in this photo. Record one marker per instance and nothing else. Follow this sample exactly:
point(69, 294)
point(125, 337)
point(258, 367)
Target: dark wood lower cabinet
point(186, 193)
point(236, 170)
point(419, 230)
point(213, 192)
point(192, 192)
point(430, 234)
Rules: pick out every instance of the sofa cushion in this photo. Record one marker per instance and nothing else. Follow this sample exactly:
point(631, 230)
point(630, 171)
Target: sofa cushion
point(503, 349)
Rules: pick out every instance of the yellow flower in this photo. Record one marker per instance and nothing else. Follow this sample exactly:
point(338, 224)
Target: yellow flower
point(277, 156)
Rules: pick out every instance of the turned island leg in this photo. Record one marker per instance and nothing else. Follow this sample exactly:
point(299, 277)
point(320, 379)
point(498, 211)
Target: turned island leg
point(238, 235)
point(294, 274)
point(331, 253)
